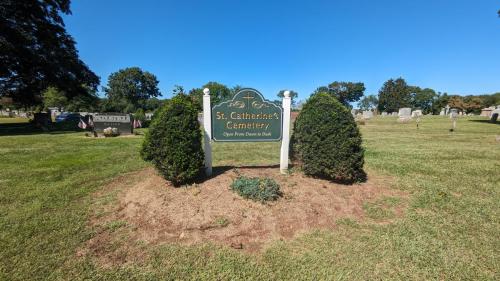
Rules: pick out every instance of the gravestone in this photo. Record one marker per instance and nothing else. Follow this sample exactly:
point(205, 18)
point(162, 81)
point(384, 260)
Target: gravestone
point(453, 117)
point(247, 117)
point(394, 114)
point(42, 120)
point(453, 113)
point(442, 112)
point(404, 114)
point(416, 113)
point(367, 114)
point(121, 121)
point(384, 114)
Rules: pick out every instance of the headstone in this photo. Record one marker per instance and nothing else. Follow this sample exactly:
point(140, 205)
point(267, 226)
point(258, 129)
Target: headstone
point(384, 114)
point(394, 114)
point(367, 114)
point(442, 113)
point(416, 113)
point(453, 117)
point(247, 117)
point(494, 115)
point(404, 114)
point(42, 120)
point(121, 121)
point(486, 112)
point(453, 113)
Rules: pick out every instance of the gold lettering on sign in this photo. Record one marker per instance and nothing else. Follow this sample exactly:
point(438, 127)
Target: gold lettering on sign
point(235, 126)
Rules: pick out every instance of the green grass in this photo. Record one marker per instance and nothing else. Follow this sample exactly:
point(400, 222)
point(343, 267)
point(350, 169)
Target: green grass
point(11, 120)
point(450, 229)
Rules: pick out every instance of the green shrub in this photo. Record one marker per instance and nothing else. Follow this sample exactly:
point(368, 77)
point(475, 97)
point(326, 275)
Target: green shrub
point(326, 142)
point(173, 142)
point(140, 115)
point(258, 189)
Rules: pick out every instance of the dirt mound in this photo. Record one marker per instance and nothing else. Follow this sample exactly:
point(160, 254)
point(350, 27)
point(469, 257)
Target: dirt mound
point(149, 209)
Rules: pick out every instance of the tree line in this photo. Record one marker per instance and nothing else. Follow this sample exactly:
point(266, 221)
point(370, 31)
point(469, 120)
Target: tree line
point(132, 89)
point(396, 93)
point(41, 68)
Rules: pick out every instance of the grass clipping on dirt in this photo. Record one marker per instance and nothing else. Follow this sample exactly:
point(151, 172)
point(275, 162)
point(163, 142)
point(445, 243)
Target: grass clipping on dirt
point(257, 189)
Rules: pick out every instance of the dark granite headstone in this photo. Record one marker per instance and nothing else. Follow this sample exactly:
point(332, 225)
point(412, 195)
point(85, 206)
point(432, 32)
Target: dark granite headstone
point(121, 121)
point(42, 120)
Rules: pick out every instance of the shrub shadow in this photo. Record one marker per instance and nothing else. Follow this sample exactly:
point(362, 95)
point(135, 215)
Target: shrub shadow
point(360, 178)
point(485, 121)
point(219, 170)
point(19, 129)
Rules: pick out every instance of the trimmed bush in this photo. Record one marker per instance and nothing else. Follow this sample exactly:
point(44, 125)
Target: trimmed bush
point(257, 189)
point(326, 142)
point(173, 142)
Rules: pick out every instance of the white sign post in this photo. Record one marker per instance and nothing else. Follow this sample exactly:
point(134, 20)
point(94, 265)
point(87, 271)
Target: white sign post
point(207, 131)
point(285, 141)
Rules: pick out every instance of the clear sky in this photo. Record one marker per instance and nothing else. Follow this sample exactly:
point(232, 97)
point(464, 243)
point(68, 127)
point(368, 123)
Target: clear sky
point(449, 45)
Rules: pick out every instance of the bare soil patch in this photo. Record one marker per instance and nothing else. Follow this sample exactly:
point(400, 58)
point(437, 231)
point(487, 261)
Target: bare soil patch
point(143, 207)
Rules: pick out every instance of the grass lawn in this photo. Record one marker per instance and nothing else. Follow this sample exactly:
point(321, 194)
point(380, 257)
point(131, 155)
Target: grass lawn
point(450, 229)
point(17, 120)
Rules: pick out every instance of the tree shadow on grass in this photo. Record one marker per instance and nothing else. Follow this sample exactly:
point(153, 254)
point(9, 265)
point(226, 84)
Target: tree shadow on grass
point(19, 129)
point(485, 121)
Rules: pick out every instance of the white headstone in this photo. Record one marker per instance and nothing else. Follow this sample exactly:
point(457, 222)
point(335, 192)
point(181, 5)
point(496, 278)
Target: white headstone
point(367, 114)
point(416, 113)
point(404, 114)
point(453, 113)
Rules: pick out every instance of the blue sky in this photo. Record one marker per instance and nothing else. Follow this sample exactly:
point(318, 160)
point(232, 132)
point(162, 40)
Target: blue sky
point(448, 45)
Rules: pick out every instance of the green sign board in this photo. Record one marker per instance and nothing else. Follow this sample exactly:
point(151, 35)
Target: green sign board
point(247, 117)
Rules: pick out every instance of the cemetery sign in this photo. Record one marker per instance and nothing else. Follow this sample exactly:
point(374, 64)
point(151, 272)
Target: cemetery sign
point(247, 117)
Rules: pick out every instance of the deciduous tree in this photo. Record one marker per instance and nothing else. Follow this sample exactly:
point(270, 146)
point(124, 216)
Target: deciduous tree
point(456, 102)
point(36, 52)
point(128, 89)
point(394, 95)
point(368, 102)
point(423, 99)
point(218, 92)
point(345, 92)
point(52, 97)
point(440, 102)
